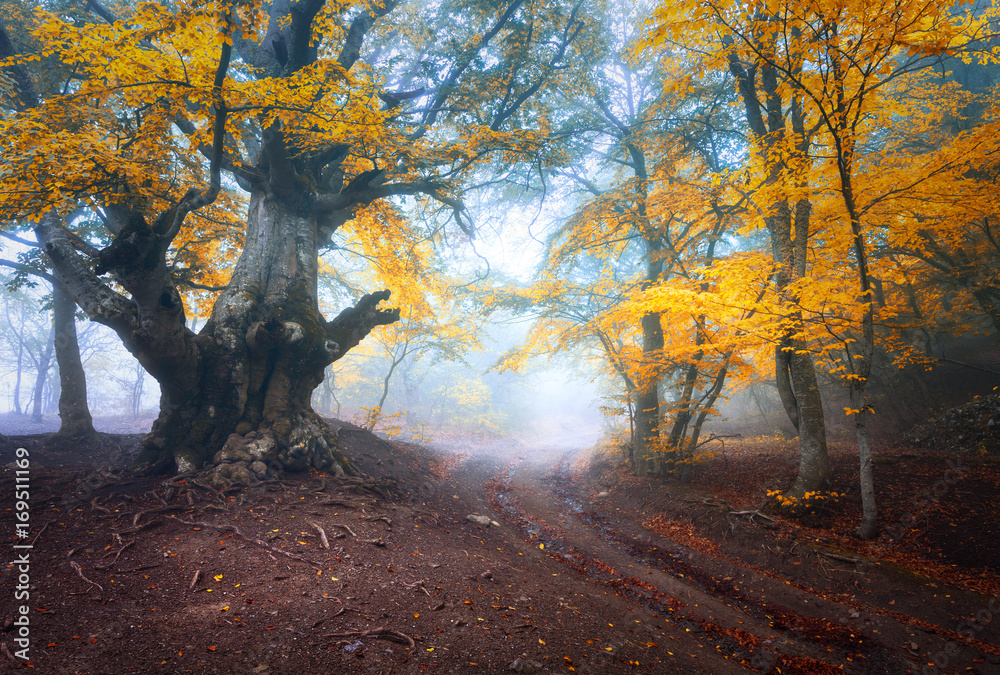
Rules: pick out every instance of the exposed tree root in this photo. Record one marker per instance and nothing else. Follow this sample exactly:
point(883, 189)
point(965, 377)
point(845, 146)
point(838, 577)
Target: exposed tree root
point(117, 555)
point(382, 633)
point(260, 542)
point(79, 571)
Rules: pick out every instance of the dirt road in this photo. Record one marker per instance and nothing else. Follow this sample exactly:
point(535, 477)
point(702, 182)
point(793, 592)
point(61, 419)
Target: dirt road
point(586, 570)
point(713, 612)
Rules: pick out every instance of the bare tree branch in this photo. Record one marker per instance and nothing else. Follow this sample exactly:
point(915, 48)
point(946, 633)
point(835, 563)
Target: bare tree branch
point(19, 240)
point(27, 269)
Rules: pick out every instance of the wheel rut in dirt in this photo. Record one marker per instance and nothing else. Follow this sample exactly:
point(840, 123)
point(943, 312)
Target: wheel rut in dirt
point(754, 619)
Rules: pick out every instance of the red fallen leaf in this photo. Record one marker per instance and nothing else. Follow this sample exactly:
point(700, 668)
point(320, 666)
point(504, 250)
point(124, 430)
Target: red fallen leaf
point(249, 601)
point(41, 609)
point(93, 640)
point(52, 644)
point(211, 648)
point(268, 627)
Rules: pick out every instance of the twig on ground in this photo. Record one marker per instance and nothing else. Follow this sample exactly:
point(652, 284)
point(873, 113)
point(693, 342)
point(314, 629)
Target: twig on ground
point(194, 580)
point(144, 526)
point(322, 535)
point(377, 518)
point(44, 527)
point(383, 633)
point(136, 517)
point(340, 611)
point(98, 507)
point(346, 527)
point(841, 558)
point(418, 585)
point(751, 513)
point(117, 555)
point(79, 571)
point(339, 502)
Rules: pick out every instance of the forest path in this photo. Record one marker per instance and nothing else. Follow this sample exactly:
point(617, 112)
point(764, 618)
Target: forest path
point(726, 615)
point(588, 570)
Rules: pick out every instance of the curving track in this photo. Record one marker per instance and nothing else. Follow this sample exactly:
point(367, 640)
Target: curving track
point(696, 612)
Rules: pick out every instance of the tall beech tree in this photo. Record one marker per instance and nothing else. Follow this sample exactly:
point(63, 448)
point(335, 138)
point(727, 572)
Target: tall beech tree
point(822, 87)
point(643, 170)
point(318, 111)
point(74, 412)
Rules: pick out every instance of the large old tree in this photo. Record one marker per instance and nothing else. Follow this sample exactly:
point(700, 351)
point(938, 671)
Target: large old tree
point(322, 113)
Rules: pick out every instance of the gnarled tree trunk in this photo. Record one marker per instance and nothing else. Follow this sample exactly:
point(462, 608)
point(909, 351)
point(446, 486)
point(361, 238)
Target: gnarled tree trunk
point(253, 367)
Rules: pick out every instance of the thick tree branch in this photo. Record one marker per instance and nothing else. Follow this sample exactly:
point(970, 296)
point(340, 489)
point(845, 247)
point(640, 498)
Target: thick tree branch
point(280, 168)
point(333, 210)
point(19, 240)
point(101, 11)
point(301, 51)
point(94, 297)
point(355, 323)
point(351, 51)
point(201, 287)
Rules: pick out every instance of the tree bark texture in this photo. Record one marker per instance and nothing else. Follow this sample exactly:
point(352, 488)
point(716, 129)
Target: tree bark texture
point(647, 400)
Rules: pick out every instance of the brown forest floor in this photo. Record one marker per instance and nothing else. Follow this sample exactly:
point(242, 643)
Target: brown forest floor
point(649, 577)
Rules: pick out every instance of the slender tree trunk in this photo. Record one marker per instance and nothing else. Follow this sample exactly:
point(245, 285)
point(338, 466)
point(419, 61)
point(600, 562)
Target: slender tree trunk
point(814, 461)
point(795, 374)
point(647, 451)
point(869, 508)
point(377, 413)
point(73, 410)
point(20, 364)
point(647, 398)
point(861, 367)
point(137, 390)
point(44, 362)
